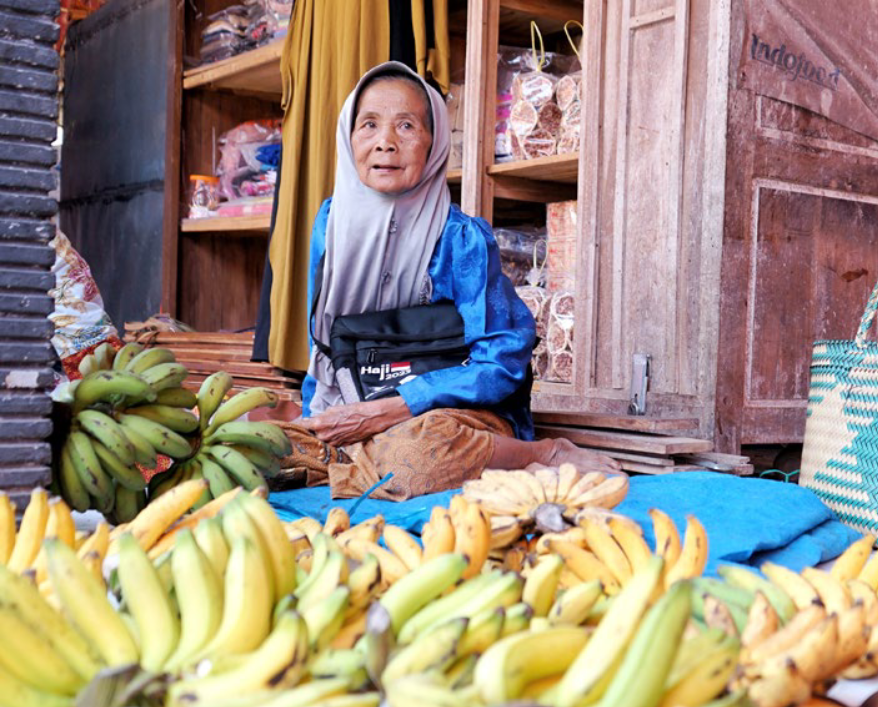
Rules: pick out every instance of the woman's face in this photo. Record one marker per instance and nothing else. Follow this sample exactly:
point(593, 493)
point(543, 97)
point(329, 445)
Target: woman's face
point(391, 137)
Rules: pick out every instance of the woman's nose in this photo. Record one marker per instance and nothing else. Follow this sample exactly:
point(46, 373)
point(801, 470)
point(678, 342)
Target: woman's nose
point(386, 141)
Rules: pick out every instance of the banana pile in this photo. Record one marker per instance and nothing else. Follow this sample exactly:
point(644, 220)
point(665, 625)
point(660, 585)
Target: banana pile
point(549, 500)
point(130, 407)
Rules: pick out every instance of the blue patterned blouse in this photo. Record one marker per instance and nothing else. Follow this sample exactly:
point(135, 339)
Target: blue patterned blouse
point(498, 327)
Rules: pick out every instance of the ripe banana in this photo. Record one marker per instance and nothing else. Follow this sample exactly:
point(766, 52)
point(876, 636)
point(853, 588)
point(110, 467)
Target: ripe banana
point(174, 418)
point(693, 556)
point(607, 494)
point(211, 394)
point(853, 560)
point(573, 606)
point(165, 375)
point(836, 597)
point(84, 603)
point(279, 548)
point(31, 531)
point(786, 637)
point(238, 523)
point(107, 431)
point(630, 539)
point(585, 565)
point(323, 580)
point(392, 568)
point(7, 528)
point(326, 617)
point(719, 615)
point(237, 466)
point(667, 538)
point(364, 582)
point(176, 397)
point(647, 662)
point(607, 550)
point(518, 617)
point(279, 661)
point(472, 536)
point(417, 589)
point(746, 579)
point(542, 583)
point(589, 674)
point(437, 534)
point(15, 693)
point(505, 530)
point(482, 631)
point(160, 514)
point(161, 438)
point(106, 385)
point(89, 470)
point(247, 604)
point(239, 405)
point(125, 354)
point(72, 488)
point(403, 545)
point(434, 650)
point(509, 665)
point(158, 629)
point(211, 541)
point(762, 622)
point(261, 435)
point(792, 583)
point(337, 521)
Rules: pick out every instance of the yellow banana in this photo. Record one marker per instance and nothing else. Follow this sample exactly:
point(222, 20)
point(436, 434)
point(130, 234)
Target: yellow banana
point(472, 536)
point(797, 587)
point(630, 539)
point(718, 614)
point(853, 560)
point(482, 631)
point(586, 565)
point(567, 478)
point(98, 541)
point(158, 629)
point(517, 619)
point(693, 556)
point(505, 530)
point(352, 630)
point(542, 583)
point(527, 481)
point(667, 538)
point(548, 479)
point(438, 534)
point(311, 528)
point(212, 542)
point(15, 693)
point(337, 521)
point(812, 654)
point(247, 604)
point(392, 568)
point(853, 641)
point(784, 638)
point(573, 605)
point(779, 689)
point(279, 548)
point(403, 545)
point(835, 596)
point(239, 405)
point(84, 603)
point(326, 617)
point(60, 523)
point(869, 573)
point(607, 494)
point(607, 550)
point(192, 520)
point(762, 622)
point(364, 582)
point(434, 650)
point(311, 694)
point(331, 574)
point(862, 593)
point(705, 681)
point(31, 531)
point(238, 523)
point(575, 535)
point(160, 514)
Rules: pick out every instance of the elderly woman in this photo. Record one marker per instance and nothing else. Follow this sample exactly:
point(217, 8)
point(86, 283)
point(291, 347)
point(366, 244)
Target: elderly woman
point(389, 238)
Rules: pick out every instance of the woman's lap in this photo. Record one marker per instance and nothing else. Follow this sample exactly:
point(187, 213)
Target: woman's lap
point(432, 452)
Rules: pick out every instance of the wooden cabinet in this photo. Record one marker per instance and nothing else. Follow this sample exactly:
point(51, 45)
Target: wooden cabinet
point(719, 232)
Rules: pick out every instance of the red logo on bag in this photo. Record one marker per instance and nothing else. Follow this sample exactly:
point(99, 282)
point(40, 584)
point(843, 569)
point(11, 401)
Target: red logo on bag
point(401, 366)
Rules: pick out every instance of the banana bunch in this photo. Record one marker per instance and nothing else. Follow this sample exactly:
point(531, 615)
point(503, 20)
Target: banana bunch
point(550, 499)
point(231, 452)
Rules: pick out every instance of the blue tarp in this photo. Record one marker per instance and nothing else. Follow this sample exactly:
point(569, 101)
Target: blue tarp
point(747, 520)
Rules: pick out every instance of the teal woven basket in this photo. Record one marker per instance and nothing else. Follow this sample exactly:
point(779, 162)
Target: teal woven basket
point(840, 455)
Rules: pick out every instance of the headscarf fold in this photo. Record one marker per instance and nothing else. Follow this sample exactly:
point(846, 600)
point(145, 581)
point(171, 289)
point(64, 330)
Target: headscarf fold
point(378, 246)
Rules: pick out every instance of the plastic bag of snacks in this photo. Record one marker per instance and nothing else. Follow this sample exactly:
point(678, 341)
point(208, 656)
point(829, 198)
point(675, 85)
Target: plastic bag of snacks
point(522, 254)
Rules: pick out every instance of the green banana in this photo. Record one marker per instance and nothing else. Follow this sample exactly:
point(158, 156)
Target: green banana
point(211, 394)
point(725, 592)
point(417, 589)
point(176, 397)
point(154, 614)
point(107, 431)
point(125, 475)
point(104, 385)
point(260, 435)
point(88, 468)
point(641, 676)
point(217, 478)
point(166, 480)
point(159, 437)
point(325, 618)
point(174, 418)
point(71, 485)
point(144, 452)
point(149, 358)
point(128, 503)
point(432, 650)
point(165, 375)
point(517, 618)
point(338, 664)
point(125, 354)
point(749, 580)
point(241, 404)
point(267, 463)
point(328, 578)
point(447, 605)
point(238, 466)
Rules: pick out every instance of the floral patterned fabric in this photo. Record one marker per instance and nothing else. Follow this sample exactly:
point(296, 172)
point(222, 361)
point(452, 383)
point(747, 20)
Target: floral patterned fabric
point(498, 327)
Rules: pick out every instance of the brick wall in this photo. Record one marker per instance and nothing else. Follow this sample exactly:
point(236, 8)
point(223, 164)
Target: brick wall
point(28, 111)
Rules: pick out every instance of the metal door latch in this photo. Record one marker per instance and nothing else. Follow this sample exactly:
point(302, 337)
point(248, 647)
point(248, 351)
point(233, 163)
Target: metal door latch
point(639, 384)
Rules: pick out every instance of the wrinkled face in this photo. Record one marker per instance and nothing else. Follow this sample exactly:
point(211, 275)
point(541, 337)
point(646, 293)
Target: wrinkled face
point(391, 136)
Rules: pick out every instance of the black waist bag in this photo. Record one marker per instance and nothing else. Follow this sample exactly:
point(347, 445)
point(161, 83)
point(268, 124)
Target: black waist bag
point(373, 353)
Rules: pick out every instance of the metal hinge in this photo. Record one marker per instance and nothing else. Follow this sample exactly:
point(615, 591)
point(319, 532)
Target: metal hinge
point(639, 384)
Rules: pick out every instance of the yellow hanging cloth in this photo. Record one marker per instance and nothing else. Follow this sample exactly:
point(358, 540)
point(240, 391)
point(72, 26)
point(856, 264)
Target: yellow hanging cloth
point(330, 45)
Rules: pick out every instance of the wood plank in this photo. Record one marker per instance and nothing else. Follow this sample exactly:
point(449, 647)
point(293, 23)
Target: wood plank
point(236, 338)
point(256, 71)
point(522, 189)
point(634, 423)
point(240, 225)
point(638, 458)
point(626, 441)
point(553, 168)
point(454, 176)
point(226, 353)
point(557, 10)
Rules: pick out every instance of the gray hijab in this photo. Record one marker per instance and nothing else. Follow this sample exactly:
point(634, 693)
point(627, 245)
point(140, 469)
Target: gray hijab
point(378, 246)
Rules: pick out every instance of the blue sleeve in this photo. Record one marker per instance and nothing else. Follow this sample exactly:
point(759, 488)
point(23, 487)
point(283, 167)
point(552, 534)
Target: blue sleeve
point(318, 247)
point(498, 327)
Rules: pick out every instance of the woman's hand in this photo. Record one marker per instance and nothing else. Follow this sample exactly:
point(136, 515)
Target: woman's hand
point(348, 424)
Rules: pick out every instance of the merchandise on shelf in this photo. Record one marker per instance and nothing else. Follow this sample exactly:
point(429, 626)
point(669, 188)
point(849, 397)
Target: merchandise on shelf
point(522, 254)
point(203, 199)
point(561, 225)
point(249, 157)
point(243, 27)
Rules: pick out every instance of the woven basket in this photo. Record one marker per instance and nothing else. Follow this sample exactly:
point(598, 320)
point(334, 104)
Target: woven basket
point(840, 456)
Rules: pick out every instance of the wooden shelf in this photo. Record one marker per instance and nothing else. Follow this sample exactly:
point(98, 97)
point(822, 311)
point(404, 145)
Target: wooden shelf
point(454, 176)
point(255, 72)
point(240, 224)
point(554, 168)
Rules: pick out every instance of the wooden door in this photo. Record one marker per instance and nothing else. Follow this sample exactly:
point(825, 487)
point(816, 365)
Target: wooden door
point(650, 199)
point(800, 256)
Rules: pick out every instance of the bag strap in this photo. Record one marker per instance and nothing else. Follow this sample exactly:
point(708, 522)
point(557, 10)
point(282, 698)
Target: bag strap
point(868, 318)
point(570, 39)
point(318, 286)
